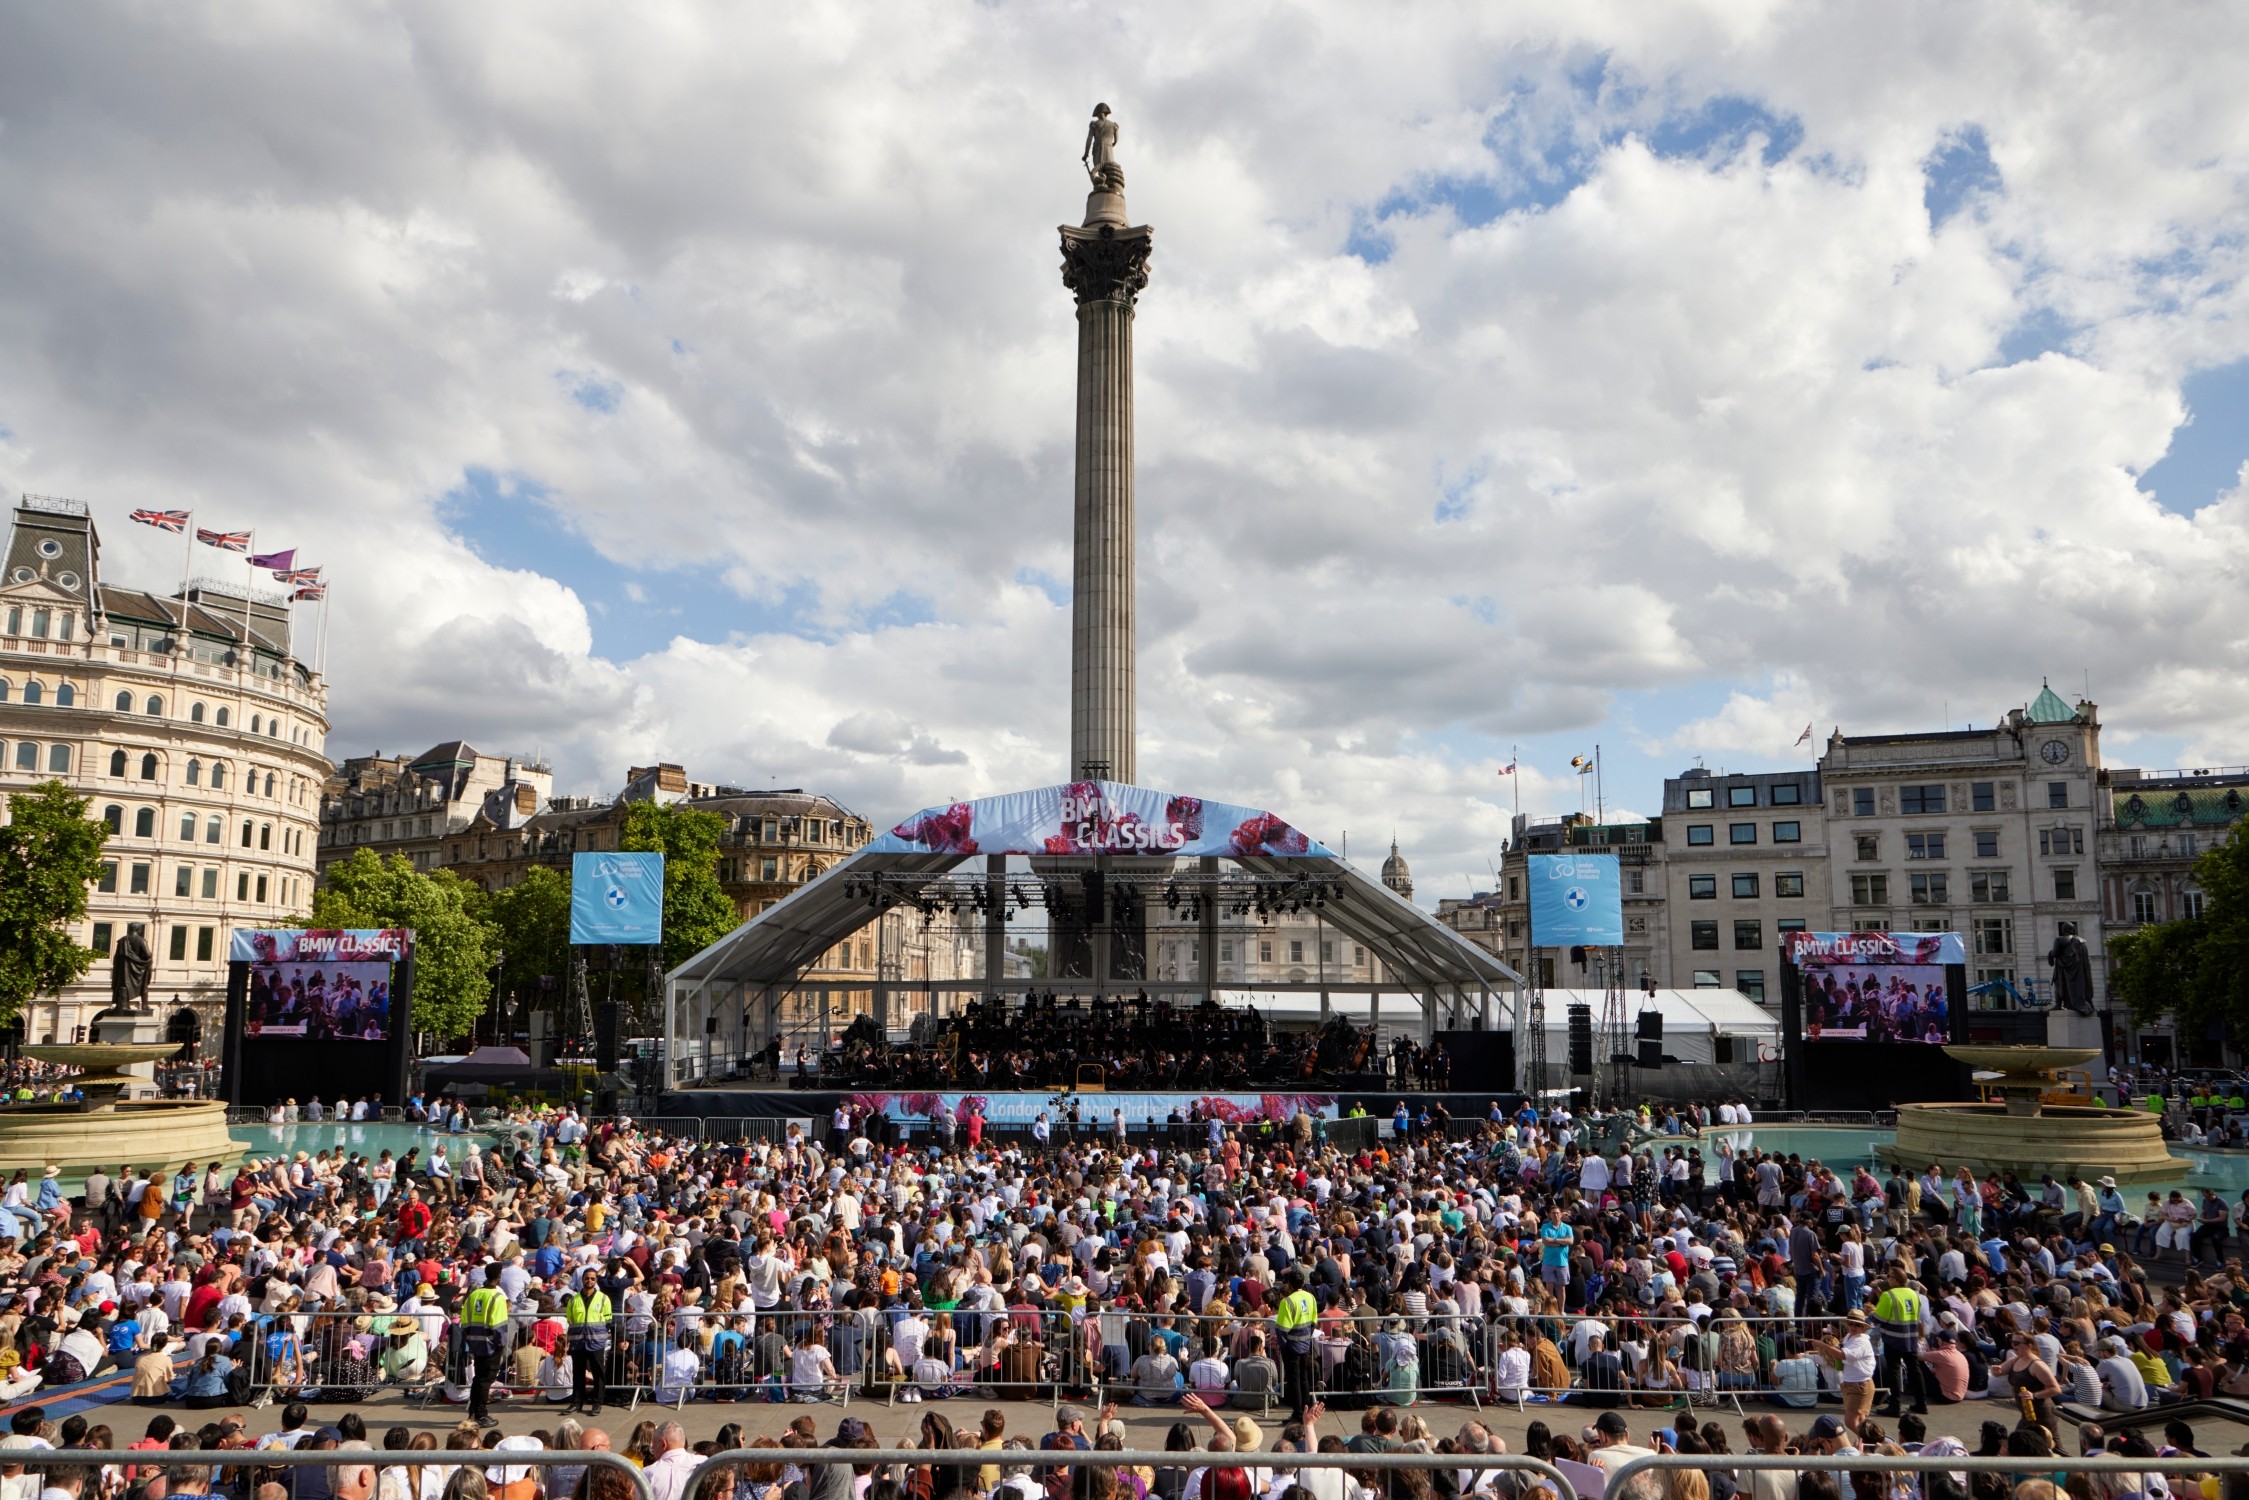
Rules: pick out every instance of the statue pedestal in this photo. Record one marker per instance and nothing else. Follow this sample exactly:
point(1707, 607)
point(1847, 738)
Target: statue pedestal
point(2066, 1028)
point(129, 1026)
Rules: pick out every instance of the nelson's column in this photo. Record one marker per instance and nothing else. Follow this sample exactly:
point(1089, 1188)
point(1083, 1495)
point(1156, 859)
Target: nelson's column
point(1105, 262)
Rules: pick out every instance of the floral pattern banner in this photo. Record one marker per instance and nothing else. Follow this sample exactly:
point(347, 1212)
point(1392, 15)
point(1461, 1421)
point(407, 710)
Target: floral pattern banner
point(1097, 817)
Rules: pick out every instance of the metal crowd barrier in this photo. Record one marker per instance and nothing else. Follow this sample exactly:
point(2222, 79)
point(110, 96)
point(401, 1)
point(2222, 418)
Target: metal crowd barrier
point(721, 1465)
point(1694, 1353)
point(216, 1459)
point(2017, 1468)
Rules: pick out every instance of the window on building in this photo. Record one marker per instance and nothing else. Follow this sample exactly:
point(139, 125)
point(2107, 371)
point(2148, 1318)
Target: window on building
point(148, 768)
point(1788, 832)
point(1788, 884)
point(1741, 833)
point(1928, 890)
point(1928, 798)
point(183, 882)
point(58, 759)
point(124, 703)
point(179, 945)
point(1700, 834)
point(1787, 794)
point(1789, 924)
point(138, 881)
point(1749, 934)
point(187, 827)
point(1358, 955)
point(2186, 843)
point(250, 832)
point(1870, 890)
point(100, 944)
point(210, 883)
point(1745, 887)
point(1702, 935)
point(194, 772)
point(1295, 952)
point(1987, 885)
point(1706, 979)
point(261, 888)
point(144, 823)
point(1226, 951)
point(1702, 887)
point(1987, 844)
point(107, 880)
point(1995, 935)
point(203, 940)
point(1327, 950)
point(769, 869)
point(1983, 796)
point(2190, 903)
point(218, 776)
point(2143, 906)
point(242, 886)
point(154, 707)
point(1265, 952)
point(2057, 794)
point(221, 718)
point(2061, 841)
point(1751, 982)
point(1700, 796)
point(2065, 885)
point(1862, 802)
point(39, 621)
point(1924, 846)
point(1741, 796)
point(211, 831)
point(1869, 846)
point(195, 713)
point(117, 763)
point(33, 693)
point(265, 835)
point(27, 756)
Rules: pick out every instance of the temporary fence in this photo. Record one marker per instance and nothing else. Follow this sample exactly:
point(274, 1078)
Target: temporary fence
point(1618, 1484)
point(215, 1461)
point(721, 1466)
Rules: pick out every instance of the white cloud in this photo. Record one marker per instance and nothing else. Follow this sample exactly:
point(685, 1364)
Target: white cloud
point(1708, 423)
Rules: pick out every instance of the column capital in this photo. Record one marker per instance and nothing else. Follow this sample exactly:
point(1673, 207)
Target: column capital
point(1104, 263)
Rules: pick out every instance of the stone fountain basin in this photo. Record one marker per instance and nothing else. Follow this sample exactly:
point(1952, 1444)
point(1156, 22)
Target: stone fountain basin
point(101, 1055)
point(2019, 1060)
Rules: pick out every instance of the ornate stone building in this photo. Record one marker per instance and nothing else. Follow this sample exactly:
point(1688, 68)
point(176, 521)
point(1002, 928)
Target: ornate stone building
point(1745, 863)
point(415, 805)
point(1498, 920)
point(195, 733)
point(2153, 827)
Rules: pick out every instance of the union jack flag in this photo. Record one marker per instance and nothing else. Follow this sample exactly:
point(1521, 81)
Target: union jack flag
point(311, 591)
point(174, 521)
point(225, 541)
point(299, 575)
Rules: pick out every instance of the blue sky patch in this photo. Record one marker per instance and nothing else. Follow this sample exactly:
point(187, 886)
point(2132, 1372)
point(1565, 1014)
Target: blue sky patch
point(1958, 172)
point(2206, 453)
point(1722, 128)
point(591, 391)
point(2039, 331)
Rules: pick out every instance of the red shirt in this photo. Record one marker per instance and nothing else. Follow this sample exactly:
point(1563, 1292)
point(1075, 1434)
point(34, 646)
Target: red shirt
point(202, 1306)
point(413, 1220)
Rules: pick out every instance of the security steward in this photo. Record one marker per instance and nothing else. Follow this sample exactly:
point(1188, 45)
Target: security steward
point(587, 1313)
point(1899, 1313)
point(1297, 1321)
point(484, 1338)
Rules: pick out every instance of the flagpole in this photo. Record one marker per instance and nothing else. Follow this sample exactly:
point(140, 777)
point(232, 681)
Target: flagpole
point(187, 570)
point(1515, 759)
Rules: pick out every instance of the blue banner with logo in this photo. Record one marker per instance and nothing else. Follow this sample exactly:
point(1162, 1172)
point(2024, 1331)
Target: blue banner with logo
point(1576, 899)
point(617, 898)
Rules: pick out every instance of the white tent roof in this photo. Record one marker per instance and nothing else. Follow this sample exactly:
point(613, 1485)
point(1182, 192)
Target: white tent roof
point(1730, 1011)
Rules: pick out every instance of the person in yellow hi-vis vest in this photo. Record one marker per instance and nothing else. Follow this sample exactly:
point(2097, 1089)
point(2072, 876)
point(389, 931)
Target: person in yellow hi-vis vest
point(1297, 1322)
point(1899, 1313)
point(587, 1313)
point(484, 1338)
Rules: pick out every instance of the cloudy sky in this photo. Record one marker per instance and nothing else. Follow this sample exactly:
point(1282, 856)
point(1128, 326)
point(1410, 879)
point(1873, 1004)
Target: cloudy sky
point(694, 381)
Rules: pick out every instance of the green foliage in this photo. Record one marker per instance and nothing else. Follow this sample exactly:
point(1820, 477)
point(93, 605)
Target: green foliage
point(453, 944)
point(697, 910)
point(532, 918)
point(2197, 969)
point(50, 855)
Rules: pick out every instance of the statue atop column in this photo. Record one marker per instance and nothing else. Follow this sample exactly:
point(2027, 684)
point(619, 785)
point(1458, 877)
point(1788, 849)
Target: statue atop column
point(1100, 154)
point(2073, 970)
point(129, 965)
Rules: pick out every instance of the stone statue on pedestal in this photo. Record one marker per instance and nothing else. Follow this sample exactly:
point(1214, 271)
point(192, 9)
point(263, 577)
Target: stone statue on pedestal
point(2073, 971)
point(129, 965)
point(1100, 154)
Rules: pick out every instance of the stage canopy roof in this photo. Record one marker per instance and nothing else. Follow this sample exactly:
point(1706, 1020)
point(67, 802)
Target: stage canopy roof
point(1070, 822)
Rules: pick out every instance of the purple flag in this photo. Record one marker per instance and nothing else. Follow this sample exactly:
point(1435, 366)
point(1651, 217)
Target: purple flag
point(286, 559)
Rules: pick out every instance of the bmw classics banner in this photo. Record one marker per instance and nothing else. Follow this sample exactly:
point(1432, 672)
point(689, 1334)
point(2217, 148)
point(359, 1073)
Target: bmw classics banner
point(1576, 899)
point(1096, 817)
point(617, 898)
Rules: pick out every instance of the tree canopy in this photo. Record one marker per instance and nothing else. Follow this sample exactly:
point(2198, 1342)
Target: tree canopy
point(2196, 968)
point(697, 910)
point(454, 946)
point(50, 855)
point(532, 920)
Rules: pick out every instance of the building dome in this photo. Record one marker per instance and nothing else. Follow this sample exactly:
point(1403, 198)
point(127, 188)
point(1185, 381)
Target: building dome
point(1395, 874)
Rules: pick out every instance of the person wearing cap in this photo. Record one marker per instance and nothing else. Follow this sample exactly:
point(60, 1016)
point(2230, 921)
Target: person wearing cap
point(2122, 1386)
point(1612, 1447)
point(485, 1316)
point(1829, 1437)
point(1855, 1359)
